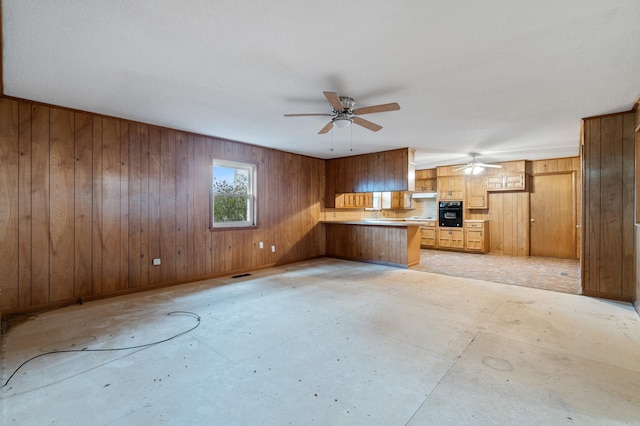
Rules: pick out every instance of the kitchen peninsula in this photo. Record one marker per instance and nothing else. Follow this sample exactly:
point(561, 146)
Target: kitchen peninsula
point(387, 242)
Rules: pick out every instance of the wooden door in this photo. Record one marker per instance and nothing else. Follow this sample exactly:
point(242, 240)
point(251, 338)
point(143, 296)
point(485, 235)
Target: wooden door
point(553, 216)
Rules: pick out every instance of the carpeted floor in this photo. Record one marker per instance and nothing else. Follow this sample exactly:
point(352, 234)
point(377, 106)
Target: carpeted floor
point(538, 272)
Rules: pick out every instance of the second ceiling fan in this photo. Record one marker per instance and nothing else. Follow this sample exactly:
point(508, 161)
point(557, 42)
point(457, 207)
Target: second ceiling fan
point(343, 113)
point(475, 167)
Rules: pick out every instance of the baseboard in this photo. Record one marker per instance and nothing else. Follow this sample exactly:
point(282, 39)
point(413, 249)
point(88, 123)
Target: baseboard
point(610, 296)
point(79, 300)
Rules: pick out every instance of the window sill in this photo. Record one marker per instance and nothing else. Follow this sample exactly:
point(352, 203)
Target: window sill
point(232, 228)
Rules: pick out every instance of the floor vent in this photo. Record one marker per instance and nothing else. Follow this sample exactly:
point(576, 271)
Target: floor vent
point(240, 275)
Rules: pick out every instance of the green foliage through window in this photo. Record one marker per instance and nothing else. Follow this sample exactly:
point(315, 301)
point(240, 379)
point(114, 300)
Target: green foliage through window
point(232, 190)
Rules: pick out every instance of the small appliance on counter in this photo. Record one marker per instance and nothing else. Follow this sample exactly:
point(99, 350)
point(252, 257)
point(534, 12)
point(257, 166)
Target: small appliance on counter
point(450, 214)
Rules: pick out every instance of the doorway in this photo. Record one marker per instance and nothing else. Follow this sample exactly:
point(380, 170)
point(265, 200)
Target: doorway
point(553, 216)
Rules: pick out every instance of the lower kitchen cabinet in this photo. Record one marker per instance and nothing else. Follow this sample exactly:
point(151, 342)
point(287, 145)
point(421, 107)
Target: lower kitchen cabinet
point(451, 238)
point(477, 235)
point(428, 234)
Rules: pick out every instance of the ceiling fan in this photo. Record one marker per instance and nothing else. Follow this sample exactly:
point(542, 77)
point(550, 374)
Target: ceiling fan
point(475, 167)
point(343, 113)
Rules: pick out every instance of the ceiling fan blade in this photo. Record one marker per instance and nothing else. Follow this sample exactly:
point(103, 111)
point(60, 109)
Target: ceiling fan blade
point(322, 114)
point(366, 124)
point(326, 128)
point(334, 100)
point(493, 166)
point(377, 108)
point(462, 168)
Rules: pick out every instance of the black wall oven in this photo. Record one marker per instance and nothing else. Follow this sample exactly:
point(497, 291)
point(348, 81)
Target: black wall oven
point(450, 213)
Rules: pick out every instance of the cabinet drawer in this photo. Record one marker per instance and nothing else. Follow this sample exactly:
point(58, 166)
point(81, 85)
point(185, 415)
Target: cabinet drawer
point(475, 225)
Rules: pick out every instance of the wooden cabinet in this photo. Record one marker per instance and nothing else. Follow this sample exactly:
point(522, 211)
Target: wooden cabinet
point(354, 200)
point(426, 180)
point(476, 235)
point(451, 238)
point(476, 193)
point(401, 200)
point(381, 171)
point(506, 182)
point(428, 234)
point(451, 188)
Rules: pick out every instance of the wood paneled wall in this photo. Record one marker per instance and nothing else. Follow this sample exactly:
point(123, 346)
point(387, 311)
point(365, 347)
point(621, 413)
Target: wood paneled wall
point(509, 223)
point(608, 253)
point(636, 296)
point(86, 203)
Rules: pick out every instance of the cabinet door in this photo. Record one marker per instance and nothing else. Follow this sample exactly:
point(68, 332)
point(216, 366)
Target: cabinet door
point(426, 185)
point(368, 200)
point(507, 182)
point(494, 182)
point(515, 181)
point(444, 237)
point(457, 238)
point(451, 188)
point(476, 195)
point(456, 187)
point(430, 185)
point(443, 188)
point(428, 237)
point(474, 239)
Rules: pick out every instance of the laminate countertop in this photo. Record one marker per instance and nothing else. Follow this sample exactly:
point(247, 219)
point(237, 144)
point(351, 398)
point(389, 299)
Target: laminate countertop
point(376, 222)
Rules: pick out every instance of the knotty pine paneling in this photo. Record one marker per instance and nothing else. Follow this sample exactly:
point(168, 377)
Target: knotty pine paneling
point(88, 202)
point(509, 223)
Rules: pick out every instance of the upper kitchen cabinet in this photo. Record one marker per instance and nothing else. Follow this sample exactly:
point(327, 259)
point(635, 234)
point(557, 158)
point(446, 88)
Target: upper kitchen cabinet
point(476, 194)
point(381, 171)
point(507, 182)
point(426, 180)
point(451, 188)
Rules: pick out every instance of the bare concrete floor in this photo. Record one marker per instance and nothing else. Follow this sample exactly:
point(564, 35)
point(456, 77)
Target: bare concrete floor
point(328, 342)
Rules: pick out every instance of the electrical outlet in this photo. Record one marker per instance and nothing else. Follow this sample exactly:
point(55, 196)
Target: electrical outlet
point(261, 245)
point(273, 249)
point(156, 261)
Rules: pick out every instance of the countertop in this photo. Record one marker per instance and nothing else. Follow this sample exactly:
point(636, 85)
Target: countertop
point(376, 222)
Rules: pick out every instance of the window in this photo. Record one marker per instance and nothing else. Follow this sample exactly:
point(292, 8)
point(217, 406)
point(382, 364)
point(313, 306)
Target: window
point(233, 194)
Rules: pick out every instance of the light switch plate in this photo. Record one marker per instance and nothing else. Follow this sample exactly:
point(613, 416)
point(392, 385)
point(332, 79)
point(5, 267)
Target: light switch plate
point(156, 261)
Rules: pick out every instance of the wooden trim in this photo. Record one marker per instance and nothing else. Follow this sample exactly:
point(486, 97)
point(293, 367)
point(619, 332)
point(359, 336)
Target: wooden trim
point(611, 114)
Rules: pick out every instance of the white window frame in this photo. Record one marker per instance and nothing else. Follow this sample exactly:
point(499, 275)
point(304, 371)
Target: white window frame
point(250, 196)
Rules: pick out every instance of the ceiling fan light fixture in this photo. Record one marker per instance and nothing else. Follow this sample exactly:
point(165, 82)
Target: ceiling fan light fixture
point(341, 122)
point(477, 170)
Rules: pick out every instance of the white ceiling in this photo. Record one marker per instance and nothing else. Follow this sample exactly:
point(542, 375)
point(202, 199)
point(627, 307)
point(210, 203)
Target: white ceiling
point(507, 79)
